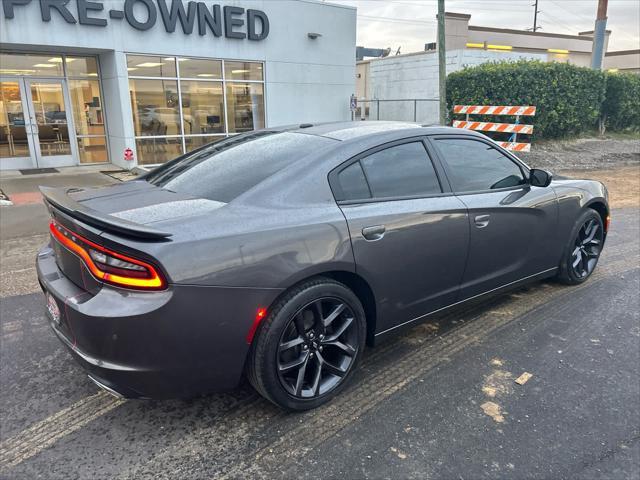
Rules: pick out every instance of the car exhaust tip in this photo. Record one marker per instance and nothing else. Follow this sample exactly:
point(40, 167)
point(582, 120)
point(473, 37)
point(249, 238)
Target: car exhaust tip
point(109, 390)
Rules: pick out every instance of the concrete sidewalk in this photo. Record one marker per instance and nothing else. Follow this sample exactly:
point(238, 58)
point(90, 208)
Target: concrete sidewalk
point(28, 216)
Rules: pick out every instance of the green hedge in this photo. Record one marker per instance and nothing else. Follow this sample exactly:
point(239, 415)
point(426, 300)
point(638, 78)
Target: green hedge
point(621, 107)
point(568, 98)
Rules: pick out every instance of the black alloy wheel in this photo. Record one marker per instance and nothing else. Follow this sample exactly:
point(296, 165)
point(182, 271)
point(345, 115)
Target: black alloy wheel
point(317, 348)
point(308, 347)
point(587, 248)
point(583, 250)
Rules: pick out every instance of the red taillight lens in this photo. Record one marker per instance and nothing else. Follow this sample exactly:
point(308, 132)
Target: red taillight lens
point(107, 265)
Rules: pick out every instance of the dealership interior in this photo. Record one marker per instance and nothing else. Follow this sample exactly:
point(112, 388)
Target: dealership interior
point(52, 114)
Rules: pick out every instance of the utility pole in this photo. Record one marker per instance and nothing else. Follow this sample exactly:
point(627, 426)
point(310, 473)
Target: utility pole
point(442, 64)
point(598, 35)
point(535, 17)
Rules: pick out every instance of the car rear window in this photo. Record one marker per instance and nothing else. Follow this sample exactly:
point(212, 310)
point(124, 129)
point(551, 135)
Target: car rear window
point(227, 169)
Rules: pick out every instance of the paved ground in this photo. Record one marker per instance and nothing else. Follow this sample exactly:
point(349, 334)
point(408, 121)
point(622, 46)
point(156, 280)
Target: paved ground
point(438, 402)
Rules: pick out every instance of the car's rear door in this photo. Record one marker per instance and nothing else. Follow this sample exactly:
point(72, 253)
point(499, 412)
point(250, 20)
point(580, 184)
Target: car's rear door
point(512, 224)
point(409, 233)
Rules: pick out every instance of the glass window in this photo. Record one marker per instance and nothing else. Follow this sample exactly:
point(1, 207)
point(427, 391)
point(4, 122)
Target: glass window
point(202, 107)
point(231, 167)
point(191, 143)
point(401, 171)
point(155, 107)
point(152, 151)
point(476, 166)
point(198, 68)
point(353, 183)
point(245, 106)
point(13, 133)
point(92, 149)
point(243, 71)
point(51, 117)
point(199, 95)
point(88, 116)
point(30, 65)
point(146, 66)
point(81, 66)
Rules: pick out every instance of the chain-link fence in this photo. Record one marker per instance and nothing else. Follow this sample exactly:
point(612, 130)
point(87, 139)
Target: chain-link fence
point(420, 110)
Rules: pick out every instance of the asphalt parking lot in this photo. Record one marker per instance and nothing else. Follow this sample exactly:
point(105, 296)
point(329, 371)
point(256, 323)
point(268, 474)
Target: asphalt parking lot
point(438, 402)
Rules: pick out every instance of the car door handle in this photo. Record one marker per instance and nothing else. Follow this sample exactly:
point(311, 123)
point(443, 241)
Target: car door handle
point(482, 220)
point(375, 232)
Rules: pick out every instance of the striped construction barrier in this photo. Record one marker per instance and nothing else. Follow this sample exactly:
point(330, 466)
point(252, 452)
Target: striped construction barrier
point(513, 128)
point(494, 110)
point(494, 127)
point(515, 146)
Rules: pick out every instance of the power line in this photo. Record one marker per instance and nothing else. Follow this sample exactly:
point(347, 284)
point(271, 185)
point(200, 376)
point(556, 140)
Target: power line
point(574, 14)
point(555, 20)
point(397, 20)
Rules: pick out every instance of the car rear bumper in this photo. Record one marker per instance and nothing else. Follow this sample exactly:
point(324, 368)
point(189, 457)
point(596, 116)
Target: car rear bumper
point(181, 342)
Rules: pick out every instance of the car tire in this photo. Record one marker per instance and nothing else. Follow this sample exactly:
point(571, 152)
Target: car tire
point(583, 250)
point(294, 333)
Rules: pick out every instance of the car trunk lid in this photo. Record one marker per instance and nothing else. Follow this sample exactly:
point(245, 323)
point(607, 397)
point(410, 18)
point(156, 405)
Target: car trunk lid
point(126, 211)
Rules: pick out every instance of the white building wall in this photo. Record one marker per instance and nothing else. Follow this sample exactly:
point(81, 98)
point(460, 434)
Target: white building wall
point(415, 76)
point(306, 80)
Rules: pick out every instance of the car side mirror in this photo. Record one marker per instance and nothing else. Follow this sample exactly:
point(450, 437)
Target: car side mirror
point(540, 178)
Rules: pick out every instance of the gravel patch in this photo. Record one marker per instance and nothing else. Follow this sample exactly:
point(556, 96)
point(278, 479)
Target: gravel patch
point(584, 154)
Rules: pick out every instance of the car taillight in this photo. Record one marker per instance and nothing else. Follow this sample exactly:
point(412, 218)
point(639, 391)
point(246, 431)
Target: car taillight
point(107, 265)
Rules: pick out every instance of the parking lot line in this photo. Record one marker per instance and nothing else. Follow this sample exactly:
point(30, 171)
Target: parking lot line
point(43, 434)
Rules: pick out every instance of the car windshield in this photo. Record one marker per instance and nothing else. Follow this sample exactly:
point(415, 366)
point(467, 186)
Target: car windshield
point(229, 168)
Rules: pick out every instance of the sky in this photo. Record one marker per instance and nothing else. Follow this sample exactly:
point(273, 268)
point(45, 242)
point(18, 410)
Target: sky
point(409, 24)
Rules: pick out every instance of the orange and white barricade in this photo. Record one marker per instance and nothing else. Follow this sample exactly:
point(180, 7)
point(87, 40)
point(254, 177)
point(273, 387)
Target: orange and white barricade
point(513, 128)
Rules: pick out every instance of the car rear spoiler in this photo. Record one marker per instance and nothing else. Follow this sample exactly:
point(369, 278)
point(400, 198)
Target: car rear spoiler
point(58, 198)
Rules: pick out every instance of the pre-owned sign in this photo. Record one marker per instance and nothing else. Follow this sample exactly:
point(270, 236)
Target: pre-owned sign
point(233, 22)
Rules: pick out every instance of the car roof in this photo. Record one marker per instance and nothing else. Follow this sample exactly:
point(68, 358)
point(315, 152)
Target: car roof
point(345, 131)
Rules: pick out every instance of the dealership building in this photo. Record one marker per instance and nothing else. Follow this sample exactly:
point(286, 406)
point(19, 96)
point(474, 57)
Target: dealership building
point(138, 82)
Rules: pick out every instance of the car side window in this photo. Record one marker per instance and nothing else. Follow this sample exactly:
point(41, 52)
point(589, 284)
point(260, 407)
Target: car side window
point(476, 166)
point(353, 183)
point(400, 171)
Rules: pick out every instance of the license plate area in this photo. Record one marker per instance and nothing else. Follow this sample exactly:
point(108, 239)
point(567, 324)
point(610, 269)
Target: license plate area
point(53, 310)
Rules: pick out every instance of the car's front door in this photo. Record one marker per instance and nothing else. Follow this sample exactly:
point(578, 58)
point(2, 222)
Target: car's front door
point(512, 224)
point(409, 233)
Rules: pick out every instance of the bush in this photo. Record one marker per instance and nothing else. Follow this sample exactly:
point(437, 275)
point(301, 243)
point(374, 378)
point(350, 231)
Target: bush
point(568, 98)
point(621, 107)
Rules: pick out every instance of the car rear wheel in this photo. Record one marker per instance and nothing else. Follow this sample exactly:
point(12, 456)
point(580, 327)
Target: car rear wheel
point(307, 348)
point(583, 252)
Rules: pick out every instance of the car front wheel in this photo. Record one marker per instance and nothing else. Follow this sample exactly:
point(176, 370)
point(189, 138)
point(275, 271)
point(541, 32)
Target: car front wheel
point(583, 252)
point(308, 346)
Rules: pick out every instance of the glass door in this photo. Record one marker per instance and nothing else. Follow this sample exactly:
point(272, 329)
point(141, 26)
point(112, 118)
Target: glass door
point(50, 121)
point(16, 142)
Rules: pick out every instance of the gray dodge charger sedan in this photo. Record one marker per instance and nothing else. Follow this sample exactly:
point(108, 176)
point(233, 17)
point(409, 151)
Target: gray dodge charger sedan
point(280, 253)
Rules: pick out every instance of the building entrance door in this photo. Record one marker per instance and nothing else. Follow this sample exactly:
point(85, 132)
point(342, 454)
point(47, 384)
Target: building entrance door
point(35, 124)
